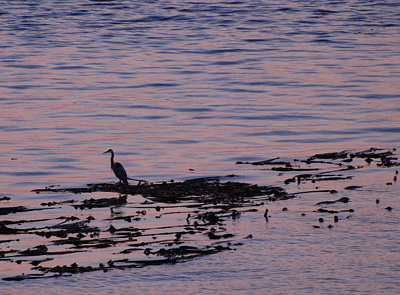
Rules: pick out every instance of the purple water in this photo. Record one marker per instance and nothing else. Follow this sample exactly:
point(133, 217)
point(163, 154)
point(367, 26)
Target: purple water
point(186, 89)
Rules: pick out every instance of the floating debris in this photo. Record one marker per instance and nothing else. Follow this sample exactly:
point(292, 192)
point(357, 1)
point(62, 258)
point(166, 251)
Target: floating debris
point(209, 202)
point(341, 200)
point(128, 230)
point(353, 187)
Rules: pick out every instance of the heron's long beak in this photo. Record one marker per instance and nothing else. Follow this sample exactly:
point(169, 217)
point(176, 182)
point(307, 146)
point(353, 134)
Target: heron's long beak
point(106, 152)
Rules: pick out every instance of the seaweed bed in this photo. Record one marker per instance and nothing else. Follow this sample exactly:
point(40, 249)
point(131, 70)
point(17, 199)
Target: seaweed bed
point(196, 211)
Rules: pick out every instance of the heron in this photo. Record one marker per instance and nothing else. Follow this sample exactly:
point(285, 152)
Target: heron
point(118, 169)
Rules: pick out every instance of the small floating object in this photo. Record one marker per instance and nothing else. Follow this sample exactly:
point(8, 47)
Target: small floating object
point(341, 200)
point(284, 209)
point(266, 214)
point(377, 201)
point(321, 220)
point(235, 215)
point(352, 187)
point(330, 226)
point(389, 208)
point(336, 218)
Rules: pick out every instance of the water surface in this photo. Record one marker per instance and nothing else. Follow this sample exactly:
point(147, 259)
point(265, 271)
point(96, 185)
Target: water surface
point(185, 89)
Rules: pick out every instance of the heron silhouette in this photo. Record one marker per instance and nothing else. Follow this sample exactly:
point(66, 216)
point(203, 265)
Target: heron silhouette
point(118, 169)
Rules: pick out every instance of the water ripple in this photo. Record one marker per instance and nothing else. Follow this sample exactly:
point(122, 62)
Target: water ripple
point(172, 84)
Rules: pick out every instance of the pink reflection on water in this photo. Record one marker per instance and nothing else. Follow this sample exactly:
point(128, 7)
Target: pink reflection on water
point(287, 96)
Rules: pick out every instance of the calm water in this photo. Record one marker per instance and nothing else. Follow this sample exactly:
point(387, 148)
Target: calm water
point(184, 89)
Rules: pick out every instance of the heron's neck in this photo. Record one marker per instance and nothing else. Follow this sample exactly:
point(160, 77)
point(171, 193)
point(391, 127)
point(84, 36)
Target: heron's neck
point(112, 158)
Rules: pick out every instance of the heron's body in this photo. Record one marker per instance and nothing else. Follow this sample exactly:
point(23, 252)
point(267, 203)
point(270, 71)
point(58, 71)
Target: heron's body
point(118, 169)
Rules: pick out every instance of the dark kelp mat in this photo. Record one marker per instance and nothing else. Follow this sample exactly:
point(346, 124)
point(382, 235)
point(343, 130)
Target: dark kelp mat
point(158, 223)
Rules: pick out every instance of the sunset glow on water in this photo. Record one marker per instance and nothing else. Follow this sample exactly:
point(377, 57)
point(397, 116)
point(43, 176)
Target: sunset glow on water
point(183, 90)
